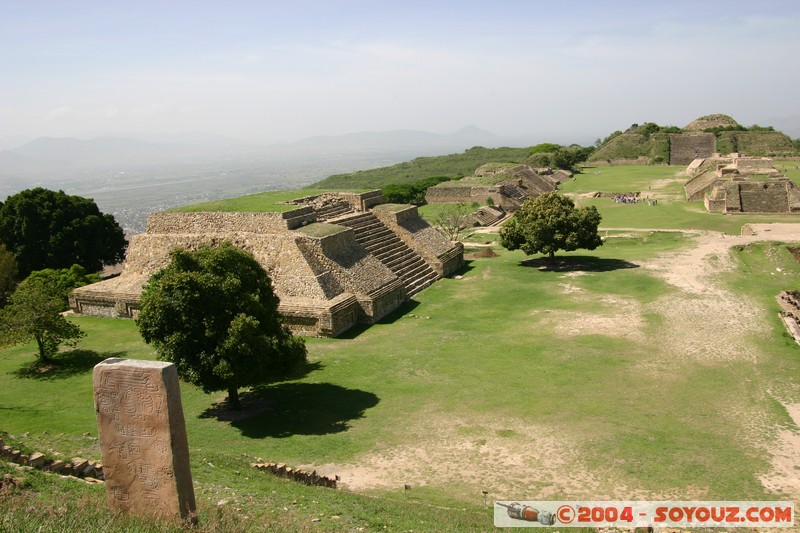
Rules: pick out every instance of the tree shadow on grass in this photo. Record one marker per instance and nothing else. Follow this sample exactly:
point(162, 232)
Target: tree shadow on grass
point(578, 263)
point(287, 409)
point(65, 364)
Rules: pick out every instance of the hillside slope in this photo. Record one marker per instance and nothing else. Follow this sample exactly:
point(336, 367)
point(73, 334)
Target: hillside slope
point(634, 145)
point(658, 144)
point(755, 143)
point(453, 165)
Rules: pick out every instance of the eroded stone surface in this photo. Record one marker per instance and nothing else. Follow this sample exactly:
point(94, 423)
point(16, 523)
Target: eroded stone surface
point(143, 438)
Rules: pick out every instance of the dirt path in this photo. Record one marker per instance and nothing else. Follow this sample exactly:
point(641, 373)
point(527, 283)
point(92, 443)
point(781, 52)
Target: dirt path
point(692, 269)
point(713, 323)
point(701, 313)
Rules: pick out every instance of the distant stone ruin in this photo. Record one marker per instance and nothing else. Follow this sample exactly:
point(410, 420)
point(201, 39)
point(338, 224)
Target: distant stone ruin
point(700, 138)
point(489, 216)
point(686, 147)
point(335, 260)
point(735, 184)
point(506, 186)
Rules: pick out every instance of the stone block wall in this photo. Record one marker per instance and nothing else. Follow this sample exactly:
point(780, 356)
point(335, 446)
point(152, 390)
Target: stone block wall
point(755, 165)
point(345, 267)
point(320, 318)
point(442, 255)
point(224, 222)
point(278, 254)
point(462, 195)
point(714, 204)
point(763, 197)
point(686, 147)
point(367, 200)
point(740, 196)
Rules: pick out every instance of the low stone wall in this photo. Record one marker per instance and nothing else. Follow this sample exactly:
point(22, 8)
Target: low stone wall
point(224, 222)
point(641, 160)
point(320, 318)
point(715, 204)
point(301, 476)
point(462, 195)
point(368, 200)
point(91, 471)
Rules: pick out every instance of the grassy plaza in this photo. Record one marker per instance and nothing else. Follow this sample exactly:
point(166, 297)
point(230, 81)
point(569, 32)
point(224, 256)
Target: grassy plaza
point(603, 378)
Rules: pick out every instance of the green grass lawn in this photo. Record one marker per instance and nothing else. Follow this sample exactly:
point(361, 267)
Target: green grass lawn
point(493, 364)
point(469, 359)
point(663, 183)
point(264, 201)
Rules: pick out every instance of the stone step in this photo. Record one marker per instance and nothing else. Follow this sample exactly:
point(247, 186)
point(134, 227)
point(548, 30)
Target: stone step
point(419, 284)
point(334, 211)
point(415, 270)
point(375, 235)
point(358, 220)
point(385, 248)
point(390, 250)
point(397, 255)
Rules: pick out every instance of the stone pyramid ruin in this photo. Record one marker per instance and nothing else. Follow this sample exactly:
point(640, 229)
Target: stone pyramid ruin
point(335, 260)
point(507, 186)
point(735, 184)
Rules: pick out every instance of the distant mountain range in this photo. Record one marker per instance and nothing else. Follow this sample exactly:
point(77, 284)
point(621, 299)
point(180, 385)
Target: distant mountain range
point(22, 157)
point(67, 154)
point(403, 140)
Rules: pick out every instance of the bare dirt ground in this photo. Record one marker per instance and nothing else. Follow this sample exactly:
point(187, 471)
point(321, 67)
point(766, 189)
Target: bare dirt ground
point(533, 460)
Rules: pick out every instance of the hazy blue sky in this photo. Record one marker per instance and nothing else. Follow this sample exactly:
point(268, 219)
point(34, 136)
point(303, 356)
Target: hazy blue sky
point(270, 71)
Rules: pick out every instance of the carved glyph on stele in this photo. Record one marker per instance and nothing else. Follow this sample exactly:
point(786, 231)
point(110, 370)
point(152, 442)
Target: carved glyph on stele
point(143, 438)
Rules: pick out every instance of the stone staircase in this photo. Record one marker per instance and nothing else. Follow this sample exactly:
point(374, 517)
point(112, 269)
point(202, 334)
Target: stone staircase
point(488, 216)
point(382, 242)
point(512, 191)
point(331, 210)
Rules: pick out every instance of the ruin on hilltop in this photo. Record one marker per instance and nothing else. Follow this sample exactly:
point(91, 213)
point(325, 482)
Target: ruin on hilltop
point(702, 138)
point(735, 184)
point(335, 260)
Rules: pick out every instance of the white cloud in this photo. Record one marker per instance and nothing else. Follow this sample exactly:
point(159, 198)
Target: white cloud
point(61, 112)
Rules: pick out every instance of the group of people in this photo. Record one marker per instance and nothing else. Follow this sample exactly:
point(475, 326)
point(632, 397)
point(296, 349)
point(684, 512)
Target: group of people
point(632, 199)
point(625, 198)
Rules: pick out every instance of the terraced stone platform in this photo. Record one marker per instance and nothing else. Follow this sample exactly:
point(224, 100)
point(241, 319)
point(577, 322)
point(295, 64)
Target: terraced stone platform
point(336, 260)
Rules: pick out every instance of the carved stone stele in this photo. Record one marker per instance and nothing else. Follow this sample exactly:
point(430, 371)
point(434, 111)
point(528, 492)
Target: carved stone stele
point(143, 438)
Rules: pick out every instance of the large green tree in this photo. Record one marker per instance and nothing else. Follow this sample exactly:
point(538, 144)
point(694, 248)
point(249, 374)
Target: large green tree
point(34, 313)
point(49, 229)
point(8, 274)
point(63, 280)
point(212, 312)
point(549, 223)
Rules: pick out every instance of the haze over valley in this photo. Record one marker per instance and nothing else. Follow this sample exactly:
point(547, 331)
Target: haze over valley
point(130, 177)
point(92, 94)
